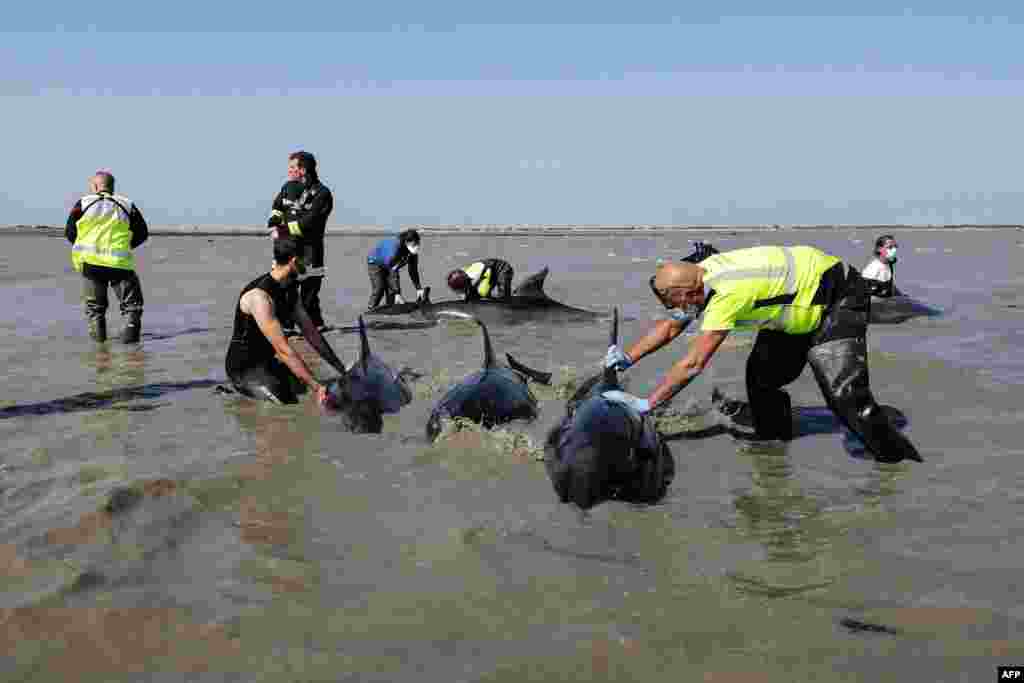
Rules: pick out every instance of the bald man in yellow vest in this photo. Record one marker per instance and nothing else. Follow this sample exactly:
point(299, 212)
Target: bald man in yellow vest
point(806, 307)
point(104, 228)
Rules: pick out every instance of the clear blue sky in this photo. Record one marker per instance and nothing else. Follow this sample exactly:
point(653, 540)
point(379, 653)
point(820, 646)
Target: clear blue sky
point(571, 112)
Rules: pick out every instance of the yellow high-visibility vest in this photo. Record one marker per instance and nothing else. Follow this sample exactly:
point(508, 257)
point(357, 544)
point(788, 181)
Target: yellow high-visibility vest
point(480, 277)
point(104, 232)
point(765, 287)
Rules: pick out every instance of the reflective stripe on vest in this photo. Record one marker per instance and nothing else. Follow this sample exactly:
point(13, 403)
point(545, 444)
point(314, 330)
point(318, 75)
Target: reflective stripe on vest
point(787, 308)
point(104, 233)
point(480, 275)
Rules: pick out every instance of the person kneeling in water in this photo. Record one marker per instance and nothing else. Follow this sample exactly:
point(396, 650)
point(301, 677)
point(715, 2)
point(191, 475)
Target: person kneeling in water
point(879, 272)
point(260, 362)
point(487, 279)
point(807, 306)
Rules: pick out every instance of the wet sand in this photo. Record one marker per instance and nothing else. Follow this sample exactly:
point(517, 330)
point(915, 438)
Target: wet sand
point(267, 544)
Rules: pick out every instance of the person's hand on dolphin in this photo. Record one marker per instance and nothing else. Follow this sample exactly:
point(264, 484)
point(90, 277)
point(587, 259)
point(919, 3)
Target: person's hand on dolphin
point(638, 404)
point(617, 358)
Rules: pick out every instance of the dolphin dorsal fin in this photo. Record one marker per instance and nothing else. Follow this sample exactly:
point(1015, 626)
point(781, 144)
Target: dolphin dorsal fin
point(610, 376)
point(364, 345)
point(489, 361)
point(533, 286)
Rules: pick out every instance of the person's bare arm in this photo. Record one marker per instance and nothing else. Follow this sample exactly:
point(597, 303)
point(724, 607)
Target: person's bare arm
point(258, 304)
point(683, 372)
point(662, 333)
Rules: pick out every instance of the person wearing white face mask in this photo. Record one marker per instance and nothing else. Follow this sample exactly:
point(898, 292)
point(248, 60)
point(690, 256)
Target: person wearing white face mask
point(385, 260)
point(807, 308)
point(879, 271)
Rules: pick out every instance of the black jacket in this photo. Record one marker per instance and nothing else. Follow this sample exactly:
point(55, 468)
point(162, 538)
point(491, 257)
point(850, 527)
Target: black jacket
point(311, 210)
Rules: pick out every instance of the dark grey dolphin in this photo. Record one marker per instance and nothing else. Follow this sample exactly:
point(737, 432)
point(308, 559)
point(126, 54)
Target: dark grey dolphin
point(528, 302)
point(494, 395)
point(366, 391)
point(604, 450)
point(372, 379)
point(899, 308)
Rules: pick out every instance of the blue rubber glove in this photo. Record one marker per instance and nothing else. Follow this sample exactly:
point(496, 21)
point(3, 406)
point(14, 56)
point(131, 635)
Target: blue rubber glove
point(638, 404)
point(617, 358)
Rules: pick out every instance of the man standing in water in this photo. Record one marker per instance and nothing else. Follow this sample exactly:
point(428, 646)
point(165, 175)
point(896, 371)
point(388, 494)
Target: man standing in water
point(260, 362)
point(104, 228)
point(807, 307)
point(306, 221)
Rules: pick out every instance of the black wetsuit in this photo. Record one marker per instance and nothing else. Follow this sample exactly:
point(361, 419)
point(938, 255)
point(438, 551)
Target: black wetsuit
point(251, 363)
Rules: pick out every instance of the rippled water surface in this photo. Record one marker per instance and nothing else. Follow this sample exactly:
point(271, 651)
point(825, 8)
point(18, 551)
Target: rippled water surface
point(258, 543)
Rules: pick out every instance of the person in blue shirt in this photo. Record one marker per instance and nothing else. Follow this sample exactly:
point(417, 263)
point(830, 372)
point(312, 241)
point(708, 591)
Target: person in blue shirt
point(385, 260)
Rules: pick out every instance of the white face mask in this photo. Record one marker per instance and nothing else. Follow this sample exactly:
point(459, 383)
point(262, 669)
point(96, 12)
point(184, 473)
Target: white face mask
point(685, 314)
point(413, 248)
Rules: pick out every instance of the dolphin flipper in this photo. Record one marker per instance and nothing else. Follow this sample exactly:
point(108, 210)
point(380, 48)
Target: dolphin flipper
point(535, 375)
point(533, 285)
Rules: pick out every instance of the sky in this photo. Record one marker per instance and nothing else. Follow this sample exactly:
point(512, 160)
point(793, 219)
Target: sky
point(525, 112)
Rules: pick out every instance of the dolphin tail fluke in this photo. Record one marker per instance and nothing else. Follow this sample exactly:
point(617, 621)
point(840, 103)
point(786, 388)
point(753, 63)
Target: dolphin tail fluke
point(364, 345)
point(610, 376)
point(535, 375)
point(532, 286)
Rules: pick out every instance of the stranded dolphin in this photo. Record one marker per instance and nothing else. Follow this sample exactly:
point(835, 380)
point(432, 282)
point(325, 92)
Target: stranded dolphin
point(491, 396)
point(528, 301)
point(364, 392)
point(898, 308)
point(604, 450)
point(372, 379)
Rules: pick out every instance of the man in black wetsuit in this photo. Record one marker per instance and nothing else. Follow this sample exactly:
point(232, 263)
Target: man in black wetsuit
point(260, 362)
point(305, 219)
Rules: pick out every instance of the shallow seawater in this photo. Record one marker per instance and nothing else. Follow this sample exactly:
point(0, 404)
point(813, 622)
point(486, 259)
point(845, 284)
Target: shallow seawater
point(153, 527)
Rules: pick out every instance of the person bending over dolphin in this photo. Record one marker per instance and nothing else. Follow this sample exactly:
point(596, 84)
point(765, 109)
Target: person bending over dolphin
point(807, 307)
point(487, 279)
point(387, 258)
point(260, 362)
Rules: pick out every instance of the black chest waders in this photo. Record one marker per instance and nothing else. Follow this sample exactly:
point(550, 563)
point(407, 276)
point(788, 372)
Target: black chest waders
point(839, 358)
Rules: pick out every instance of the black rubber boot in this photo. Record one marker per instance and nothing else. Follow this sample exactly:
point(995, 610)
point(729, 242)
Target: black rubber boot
point(133, 329)
point(841, 368)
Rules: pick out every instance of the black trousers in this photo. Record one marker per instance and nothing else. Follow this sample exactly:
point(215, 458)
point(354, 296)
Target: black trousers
point(778, 359)
point(501, 278)
point(309, 285)
point(384, 284)
point(271, 382)
point(125, 283)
